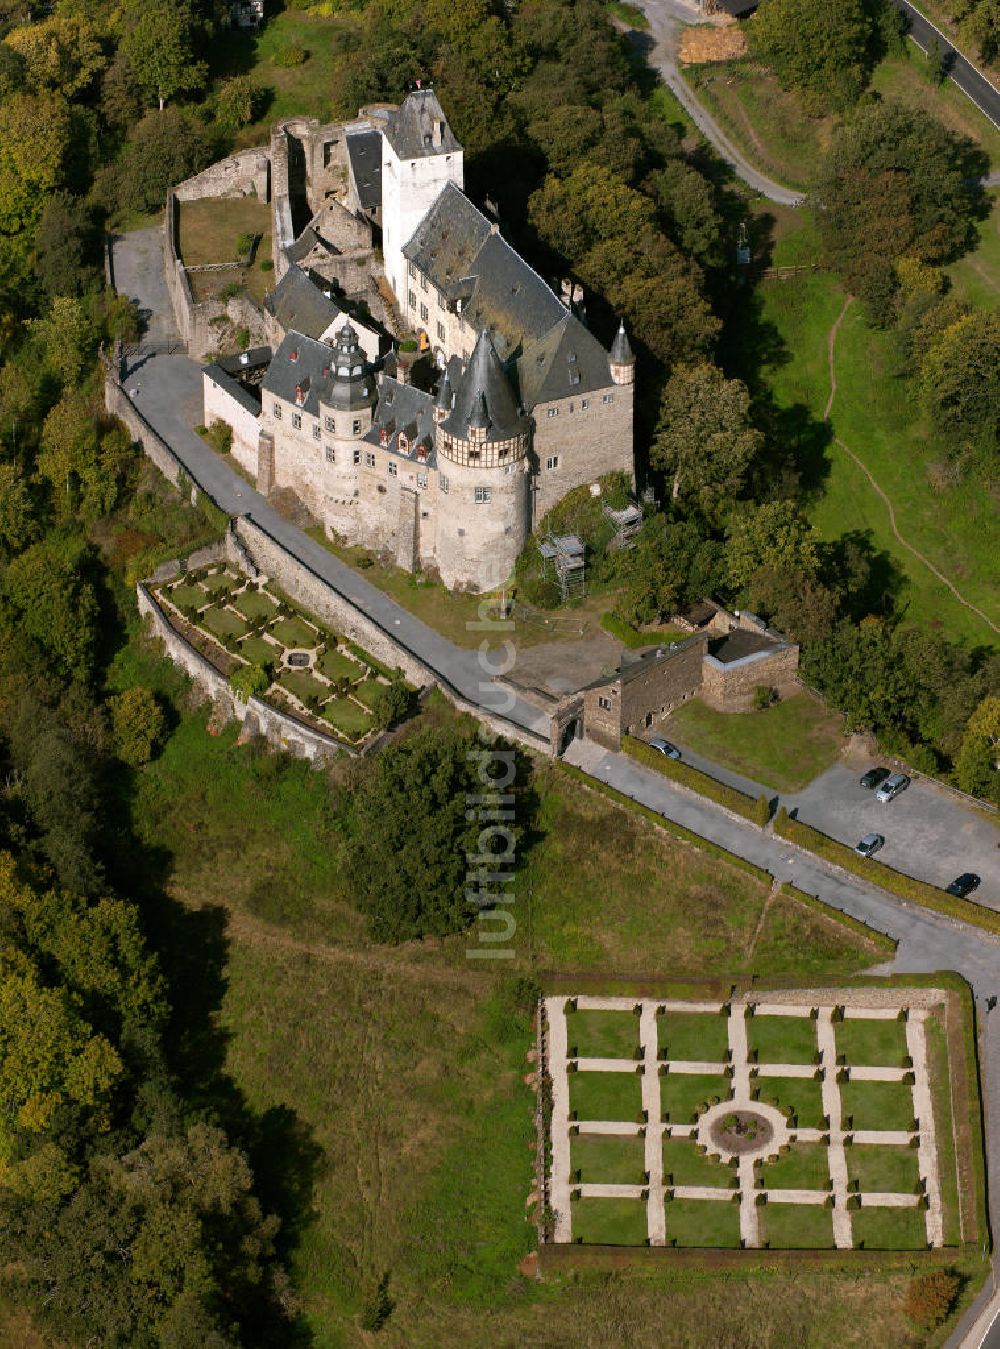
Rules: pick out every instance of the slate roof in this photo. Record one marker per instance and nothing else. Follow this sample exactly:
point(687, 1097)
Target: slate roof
point(403, 408)
point(621, 348)
point(495, 288)
point(410, 129)
point(225, 373)
point(484, 398)
point(312, 369)
point(740, 644)
point(737, 8)
point(298, 304)
point(364, 149)
point(635, 663)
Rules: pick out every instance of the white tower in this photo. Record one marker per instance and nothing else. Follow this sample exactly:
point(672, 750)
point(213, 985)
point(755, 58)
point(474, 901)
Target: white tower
point(419, 156)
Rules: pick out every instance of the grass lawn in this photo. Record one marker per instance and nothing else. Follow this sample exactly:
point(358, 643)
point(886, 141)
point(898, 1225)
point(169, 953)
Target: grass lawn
point(209, 229)
point(877, 1105)
point(303, 684)
point(784, 747)
point(805, 1167)
point(608, 1161)
point(889, 1229)
point(259, 652)
point(793, 936)
point(876, 1044)
point(367, 691)
point(805, 1227)
point(602, 1096)
point(799, 1094)
point(782, 1039)
point(976, 277)
point(685, 1165)
point(578, 889)
point(699, 1037)
point(876, 413)
point(218, 580)
point(186, 595)
point(883, 1170)
point(602, 1035)
point(684, 1095)
point(610, 1222)
point(335, 665)
point(703, 1222)
point(223, 622)
point(294, 632)
point(937, 1063)
point(347, 717)
point(254, 604)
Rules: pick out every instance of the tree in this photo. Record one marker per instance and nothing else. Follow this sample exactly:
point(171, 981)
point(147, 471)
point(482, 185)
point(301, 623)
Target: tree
point(894, 183)
point(250, 681)
point(977, 764)
point(411, 844)
point(670, 565)
point(83, 459)
point(237, 102)
point(821, 48)
point(49, 591)
point(704, 441)
point(34, 131)
point(163, 149)
point(390, 704)
point(17, 513)
point(65, 338)
point(158, 43)
point(799, 605)
point(960, 381)
point(930, 1298)
point(136, 725)
point(775, 535)
point(63, 242)
point(61, 53)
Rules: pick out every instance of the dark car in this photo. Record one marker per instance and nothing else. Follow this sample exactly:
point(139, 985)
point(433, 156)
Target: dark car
point(873, 777)
point(964, 885)
point(664, 747)
point(869, 845)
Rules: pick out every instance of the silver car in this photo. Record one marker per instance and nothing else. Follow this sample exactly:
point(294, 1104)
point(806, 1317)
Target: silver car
point(893, 785)
point(869, 845)
point(664, 747)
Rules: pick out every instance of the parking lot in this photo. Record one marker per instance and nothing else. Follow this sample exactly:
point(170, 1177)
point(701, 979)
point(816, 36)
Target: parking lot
point(928, 832)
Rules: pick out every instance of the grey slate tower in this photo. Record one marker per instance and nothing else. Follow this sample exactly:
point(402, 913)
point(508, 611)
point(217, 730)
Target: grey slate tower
point(622, 358)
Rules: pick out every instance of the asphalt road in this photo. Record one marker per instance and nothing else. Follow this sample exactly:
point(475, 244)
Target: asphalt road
point(971, 82)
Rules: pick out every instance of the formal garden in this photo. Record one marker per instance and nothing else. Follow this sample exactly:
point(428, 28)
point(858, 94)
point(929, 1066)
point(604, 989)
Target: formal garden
point(271, 650)
point(743, 1124)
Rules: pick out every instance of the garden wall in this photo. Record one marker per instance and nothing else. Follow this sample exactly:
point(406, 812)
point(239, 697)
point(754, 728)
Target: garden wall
point(117, 402)
point(280, 730)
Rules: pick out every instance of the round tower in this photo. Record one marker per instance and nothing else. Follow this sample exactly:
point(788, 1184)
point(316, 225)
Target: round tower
point(622, 358)
point(482, 449)
point(347, 401)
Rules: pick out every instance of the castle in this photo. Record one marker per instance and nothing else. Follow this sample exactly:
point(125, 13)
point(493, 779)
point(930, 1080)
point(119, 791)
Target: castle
point(529, 405)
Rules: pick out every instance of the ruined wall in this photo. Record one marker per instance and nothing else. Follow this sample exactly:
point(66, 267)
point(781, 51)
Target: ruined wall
point(729, 688)
point(247, 174)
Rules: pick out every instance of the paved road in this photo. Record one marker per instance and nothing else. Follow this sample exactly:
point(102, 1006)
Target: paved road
point(666, 17)
point(167, 389)
point(971, 81)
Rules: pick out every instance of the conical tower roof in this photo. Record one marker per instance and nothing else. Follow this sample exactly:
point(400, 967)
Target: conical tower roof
point(621, 349)
point(444, 395)
point(352, 378)
point(484, 392)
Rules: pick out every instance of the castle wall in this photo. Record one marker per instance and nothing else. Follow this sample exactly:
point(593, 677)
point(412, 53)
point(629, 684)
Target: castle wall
point(729, 688)
point(479, 542)
point(590, 435)
point(245, 174)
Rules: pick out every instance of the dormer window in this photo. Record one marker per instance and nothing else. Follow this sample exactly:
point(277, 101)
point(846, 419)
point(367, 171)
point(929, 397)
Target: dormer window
point(293, 355)
point(344, 370)
point(383, 437)
point(404, 444)
point(300, 395)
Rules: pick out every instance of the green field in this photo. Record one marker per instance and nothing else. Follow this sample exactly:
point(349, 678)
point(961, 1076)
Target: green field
point(878, 1043)
point(335, 665)
point(783, 747)
point(601, 1096)
point(254, 605)
point(700, 1222)
point(610, 1222)
point(889, 1229)
point(303, 684)
point(806, 1166)
point(601, 1160)
point(602, 1035)
point(796, 1226)
point(685, 1165)
point(801, 1095)
point(294, 632)
point(883, 1169)
point(877, 1105)
point(699, 1037)
point(186, 596)
point(782, 1039)
point(259, 652)
point(684, 1095)
point(223, 622)
point(347, 717)
point(976, 277)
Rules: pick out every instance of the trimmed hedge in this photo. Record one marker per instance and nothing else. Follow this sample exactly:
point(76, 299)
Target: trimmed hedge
point(869, 934)
point(896, 882)
point(661, 822)
point(697, 781)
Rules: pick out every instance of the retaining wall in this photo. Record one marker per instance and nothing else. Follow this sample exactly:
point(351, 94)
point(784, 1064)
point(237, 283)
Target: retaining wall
point(280, 730)
point(117, 402)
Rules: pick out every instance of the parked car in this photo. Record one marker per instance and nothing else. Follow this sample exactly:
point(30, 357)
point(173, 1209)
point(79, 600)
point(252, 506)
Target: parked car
point(964, 885)
point(869, 845)
point(892, 786)
point(873, 777)
point(664, 747)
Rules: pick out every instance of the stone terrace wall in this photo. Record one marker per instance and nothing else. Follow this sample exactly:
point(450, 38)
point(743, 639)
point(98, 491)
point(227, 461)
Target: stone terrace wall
point(281, 731)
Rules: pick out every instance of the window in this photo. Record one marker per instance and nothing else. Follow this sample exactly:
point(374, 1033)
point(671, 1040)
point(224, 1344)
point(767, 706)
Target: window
point(277, 411)
point(604, 703)
point(553, 412)
point(411, 299)
point(483, 495)
point(317, 433)
point(392, 468)
point(370, 459)
point(356, 426)
point(412, 271)
point(357, 456)
point(329, 425)
point(331, 457)
point(473, 456)
point(423, 282)
point(608, 398)
point(574, 377)
point(421, 479)
point(584, 404)
point(443, 483)
point(296, 421)
point(423, 313)
point(552, 461)
point(441, 332)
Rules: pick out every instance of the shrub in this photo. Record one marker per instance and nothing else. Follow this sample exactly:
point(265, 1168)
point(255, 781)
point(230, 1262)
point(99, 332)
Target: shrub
point(764, 696)
point(930, 1298)
point(244, 242)
point(390, 704)
point(229, 292)
point(762, 811)
point(219, 435)
point(292, 54)
point(136, 725)
point(249, 681)
point(267, 265)
point(243, 338)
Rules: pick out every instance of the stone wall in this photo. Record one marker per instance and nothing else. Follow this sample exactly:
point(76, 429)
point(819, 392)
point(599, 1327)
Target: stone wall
point(729, 688)
point(590, 436)
point(629, 706)
point(247, 174)
point(118, 403)
point(221, 406)
point(280, 730)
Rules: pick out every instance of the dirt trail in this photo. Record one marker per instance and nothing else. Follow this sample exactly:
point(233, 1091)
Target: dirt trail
point(831, 344)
